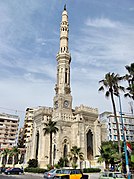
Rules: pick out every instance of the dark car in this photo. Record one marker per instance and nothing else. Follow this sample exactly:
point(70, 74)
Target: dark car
point(18, 171)
point(2, 169)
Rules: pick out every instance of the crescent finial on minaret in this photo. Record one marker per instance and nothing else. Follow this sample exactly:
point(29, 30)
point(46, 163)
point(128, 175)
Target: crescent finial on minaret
point(65, 7)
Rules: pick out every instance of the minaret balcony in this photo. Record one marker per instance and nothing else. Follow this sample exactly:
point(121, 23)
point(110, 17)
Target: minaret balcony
point(64, 55)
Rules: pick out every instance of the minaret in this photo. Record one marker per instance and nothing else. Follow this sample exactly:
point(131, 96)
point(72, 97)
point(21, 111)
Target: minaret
point(63, 98)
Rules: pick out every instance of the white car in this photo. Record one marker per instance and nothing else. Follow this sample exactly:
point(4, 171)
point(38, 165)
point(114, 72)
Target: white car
point(111, 175)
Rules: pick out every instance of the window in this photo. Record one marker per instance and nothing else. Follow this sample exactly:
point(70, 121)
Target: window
point(1, 120)
point(66, 76)
point(127, 137)
point(110, 137)
point(65, 151)
point(115, 137)
point(54, 152)
point(115, 131)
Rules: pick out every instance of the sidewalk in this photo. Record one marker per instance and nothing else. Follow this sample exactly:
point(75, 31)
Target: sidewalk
point(34, 174)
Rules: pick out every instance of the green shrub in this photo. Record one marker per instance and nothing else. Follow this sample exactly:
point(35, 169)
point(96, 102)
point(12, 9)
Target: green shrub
point(49, 167)
point(57, 166)
point(63, 162)
point(91, 170)
point(35, 170)
point(74, 165)
point(32, 163)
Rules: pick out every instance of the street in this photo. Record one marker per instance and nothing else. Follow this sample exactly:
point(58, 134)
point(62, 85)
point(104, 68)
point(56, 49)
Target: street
point(38, 176)
point(25, 176)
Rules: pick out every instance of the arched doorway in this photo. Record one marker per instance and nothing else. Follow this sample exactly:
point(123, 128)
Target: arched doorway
point(65, 153)
point(89, 145)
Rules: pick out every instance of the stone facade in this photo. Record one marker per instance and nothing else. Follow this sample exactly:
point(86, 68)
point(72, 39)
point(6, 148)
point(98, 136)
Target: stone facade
point(77, 127)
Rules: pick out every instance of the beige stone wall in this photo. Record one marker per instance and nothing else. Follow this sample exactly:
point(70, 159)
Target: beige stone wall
point(74, 131)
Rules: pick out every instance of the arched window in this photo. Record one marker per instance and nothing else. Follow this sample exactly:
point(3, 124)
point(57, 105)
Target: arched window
point(37, 145)
point(89, 145)
point(54, 152)
point(65, 151)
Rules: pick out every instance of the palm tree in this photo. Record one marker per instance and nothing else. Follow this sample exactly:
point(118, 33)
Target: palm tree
point(108, 153)
point(76, 154)
point(111, 84)
point(50, 129)
point(130, 78)
point(4, 154)
point(14, 153)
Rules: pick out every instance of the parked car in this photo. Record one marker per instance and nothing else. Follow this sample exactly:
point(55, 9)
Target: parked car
point(71, 174)
point(61, 173)
point(111, 175)
point(2, 169)
point(50, 174)
point(14, 171)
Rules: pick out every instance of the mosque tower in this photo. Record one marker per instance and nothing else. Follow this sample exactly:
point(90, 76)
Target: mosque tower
point(63, 98)
point(77, 127)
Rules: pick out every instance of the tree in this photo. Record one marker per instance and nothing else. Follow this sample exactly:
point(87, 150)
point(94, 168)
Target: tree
point(4, 154)
point(14, 153)
point(108, 153)
point(111, 84)
point(76, 154)
point(63, 162)
point(50, 129)
point(130, 78)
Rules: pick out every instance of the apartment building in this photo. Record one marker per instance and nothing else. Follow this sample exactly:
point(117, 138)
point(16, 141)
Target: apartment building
point(8, 130)
point(109, 130)
point(28, 124)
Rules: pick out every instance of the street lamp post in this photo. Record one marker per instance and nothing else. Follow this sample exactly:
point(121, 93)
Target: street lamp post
point(124, 140)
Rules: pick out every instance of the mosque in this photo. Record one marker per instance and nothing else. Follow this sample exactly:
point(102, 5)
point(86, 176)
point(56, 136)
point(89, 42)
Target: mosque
point(77, 127)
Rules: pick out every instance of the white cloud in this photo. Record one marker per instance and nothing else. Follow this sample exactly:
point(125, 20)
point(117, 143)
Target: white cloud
point(131, 9)
point(107, 49)
point(101, 23)
point(96, 52)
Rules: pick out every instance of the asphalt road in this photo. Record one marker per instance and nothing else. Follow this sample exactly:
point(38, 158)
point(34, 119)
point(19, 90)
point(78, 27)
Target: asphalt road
point(38, 176)
point(25, 176)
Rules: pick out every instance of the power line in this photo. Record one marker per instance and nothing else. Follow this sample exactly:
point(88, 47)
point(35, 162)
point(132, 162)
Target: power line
point(15, 110)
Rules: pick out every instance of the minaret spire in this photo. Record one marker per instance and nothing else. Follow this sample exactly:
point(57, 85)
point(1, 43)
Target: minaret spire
point(63, 66)
point(65, 7)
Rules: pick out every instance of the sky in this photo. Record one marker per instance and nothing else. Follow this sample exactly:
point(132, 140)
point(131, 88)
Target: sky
point(101, 40)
